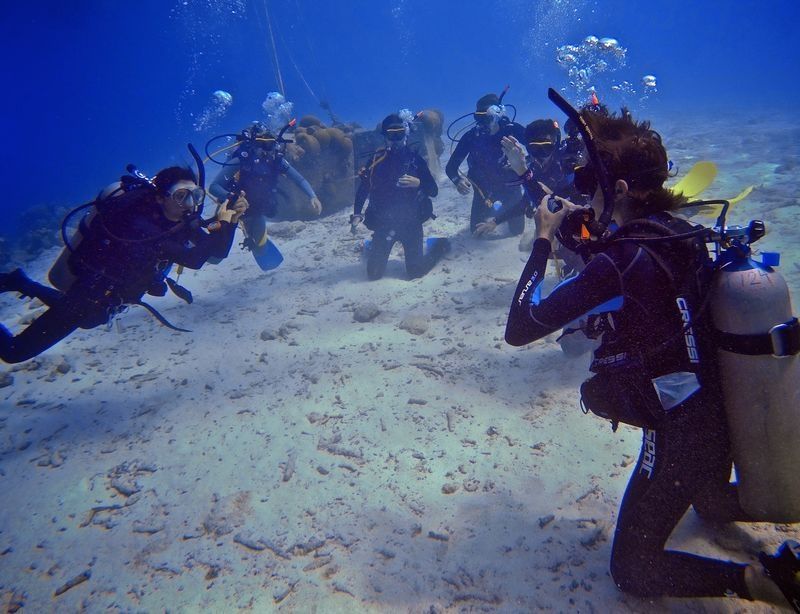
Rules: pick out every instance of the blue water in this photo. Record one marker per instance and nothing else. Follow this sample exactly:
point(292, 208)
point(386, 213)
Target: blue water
point(280, 378)
point(92, 86)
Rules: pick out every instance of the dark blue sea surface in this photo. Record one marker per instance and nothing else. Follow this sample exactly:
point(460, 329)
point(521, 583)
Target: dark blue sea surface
point(91, 86)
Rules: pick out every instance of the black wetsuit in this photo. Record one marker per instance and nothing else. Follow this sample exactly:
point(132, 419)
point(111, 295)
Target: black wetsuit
point(123, 254)
point(396, 213)
point(489, 176)
point(686, 457)
point(259, 182)
point(552, 173)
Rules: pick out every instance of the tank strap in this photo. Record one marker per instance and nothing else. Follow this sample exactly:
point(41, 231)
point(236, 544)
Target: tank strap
point(781, 340)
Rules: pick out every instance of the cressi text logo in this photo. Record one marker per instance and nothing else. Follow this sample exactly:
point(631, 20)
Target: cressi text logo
point(688, 335)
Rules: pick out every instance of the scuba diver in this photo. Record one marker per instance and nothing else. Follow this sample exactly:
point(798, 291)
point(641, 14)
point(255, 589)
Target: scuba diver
point(652, 368)
point(494, 184)
point(123, 249)
point(399, 187)
point(538, 161)
point(252, 170)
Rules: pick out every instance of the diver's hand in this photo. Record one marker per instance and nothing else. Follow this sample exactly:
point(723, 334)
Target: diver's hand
point(316, 205)
point(485, 227)
point(231, 213)
point(239, 207)
point(355, 220)
point(463, 185)
point(547, 221)
point(515, 154)
point(408, 181)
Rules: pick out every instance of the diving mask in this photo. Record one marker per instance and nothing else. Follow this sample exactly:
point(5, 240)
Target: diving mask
point(585, 180)
point(395, 135)
point(540, 149)
point(489, 116)
point(188, 198)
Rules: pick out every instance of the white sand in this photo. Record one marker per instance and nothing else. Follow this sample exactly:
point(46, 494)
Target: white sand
point(304, 471)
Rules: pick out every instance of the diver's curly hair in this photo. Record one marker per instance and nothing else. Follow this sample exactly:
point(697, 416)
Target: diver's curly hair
point(631, 151)
point(168, 177)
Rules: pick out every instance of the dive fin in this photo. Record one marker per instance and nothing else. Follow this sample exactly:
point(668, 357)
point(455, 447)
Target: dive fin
point(365, 248)
point(710, 212)
point(436, 243)
point(267, 255)
point(697, 180)
point(741, 195)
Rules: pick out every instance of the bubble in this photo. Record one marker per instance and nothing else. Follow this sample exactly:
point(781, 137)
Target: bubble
point(565, 57)
point(223, 98)
point(278, 111)
point(406, 115)
point(214, 111)
point(608, 43)
point(596, 62)
point(201, 23)
point(550, 22)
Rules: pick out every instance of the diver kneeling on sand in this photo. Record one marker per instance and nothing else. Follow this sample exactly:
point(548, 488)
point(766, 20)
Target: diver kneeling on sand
point(655, 366)
point(128, 242)
point(399, 186)
point(493, 183)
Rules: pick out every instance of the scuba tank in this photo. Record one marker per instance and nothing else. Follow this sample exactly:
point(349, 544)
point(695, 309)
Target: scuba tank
point(60, 275)
point(758, 342)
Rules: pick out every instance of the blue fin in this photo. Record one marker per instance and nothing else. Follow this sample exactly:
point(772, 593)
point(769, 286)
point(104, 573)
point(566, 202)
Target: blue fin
point(365, 248)
point(430, 242)
point(268, 256)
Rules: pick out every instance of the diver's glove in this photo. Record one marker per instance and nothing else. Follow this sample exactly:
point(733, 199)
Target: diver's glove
point(316, 205)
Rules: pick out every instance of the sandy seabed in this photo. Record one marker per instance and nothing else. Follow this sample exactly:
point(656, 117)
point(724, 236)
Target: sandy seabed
point(285, 456)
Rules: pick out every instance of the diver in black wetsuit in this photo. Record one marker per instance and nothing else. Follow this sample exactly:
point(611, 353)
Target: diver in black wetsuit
point(646, 372)
point(489, 177)
point(399, 187)
point(128, 246)
point(254, 169)
point(545, 164)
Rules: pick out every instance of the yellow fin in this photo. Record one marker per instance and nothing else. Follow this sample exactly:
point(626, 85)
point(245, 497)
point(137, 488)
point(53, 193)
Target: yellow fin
point(697, 180)
point(741, 195)
point(711, 213)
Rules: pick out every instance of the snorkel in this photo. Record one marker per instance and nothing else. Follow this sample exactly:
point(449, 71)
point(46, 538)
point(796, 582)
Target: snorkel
point(585, 218)
point(201, 181)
